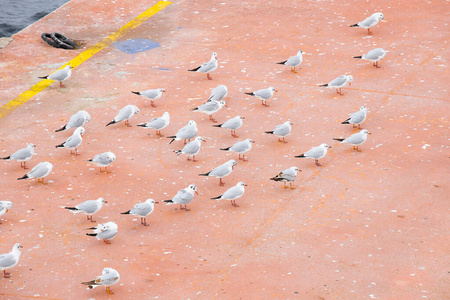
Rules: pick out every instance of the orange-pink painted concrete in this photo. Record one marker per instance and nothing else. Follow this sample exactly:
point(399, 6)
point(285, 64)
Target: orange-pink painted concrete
point(365, 225)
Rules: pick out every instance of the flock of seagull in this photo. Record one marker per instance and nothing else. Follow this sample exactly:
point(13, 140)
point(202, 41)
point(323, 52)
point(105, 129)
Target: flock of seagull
point(107, 231)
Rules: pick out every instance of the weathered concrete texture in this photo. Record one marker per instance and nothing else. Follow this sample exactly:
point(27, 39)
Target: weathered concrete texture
point(365, 225)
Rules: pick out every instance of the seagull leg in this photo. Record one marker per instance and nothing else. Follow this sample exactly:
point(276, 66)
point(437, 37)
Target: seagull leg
point(61, 85)
point(6, 274)
point(285, 186)
point(240, 157)
point(221, 183)
point(317, 163)
point(284, 140)
point(292, 187)
point(208, 76)
point(185, 208)
point(193, 158)
point(359, 126)
point(106, 241)
point(127, 123)
point(90, 218)
point(181, 206)
point(212, 119)
point(233, 202)
point(43, 182)
point(243, 158)
point(145, 221)
point(368, 31)
point(188, 158)
point(152, 103)
point(108, 290)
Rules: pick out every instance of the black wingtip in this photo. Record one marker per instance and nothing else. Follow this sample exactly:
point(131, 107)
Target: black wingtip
point(301, 155)
point(215, 198)
point(60, 146)
point(194, 70)
point(23, 177)
point(173, 139)
point(269, 132)
point(110, 123)
point(45, 77)
point(354, 25)
point(251, 94)
point(225, 149)
point(206, 174)
point(357, 56)
point(8, 157)
point(323, 85)
point(126, 213)
point(91, 234)
point(70, 208)
point(340, 140)
point(220, 125)
point(282, 63)
point(346, 121)
point(168, 201)
point(137, 93)
point(61, 129)
point(141, 125)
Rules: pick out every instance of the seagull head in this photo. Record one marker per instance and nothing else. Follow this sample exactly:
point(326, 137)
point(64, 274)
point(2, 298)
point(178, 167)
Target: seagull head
point(193, 188)
point(325, 146)
point(349, 79)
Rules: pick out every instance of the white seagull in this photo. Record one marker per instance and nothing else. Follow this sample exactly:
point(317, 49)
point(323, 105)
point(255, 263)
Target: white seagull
point(106, 231)
point(357, 118)
point(142, 210)
point(241, 148)
point(316, 153)
point(60, 75)
point(88, 207)
point(103, 160)
point(158, 123)
point(191, 148)
point(76, 120)
point(125, 114)
point(293, 61)
point(183, 197)
point(374, 56)
point(187, 132)
point(263, 94)
point(210, 107)
point(4, 207)
point(338, 83)
point(218, 93)
point(232, 124)
point(74, 141)
point(9, 260)
point(356, 139)
point(109, 277)
point(222, 171)
point(232, 193)
point(39, 171)
point(287, 175)
point(282, 130)
point(151, 94)
point(207, 67)
point(22, 155)
point(369, 22)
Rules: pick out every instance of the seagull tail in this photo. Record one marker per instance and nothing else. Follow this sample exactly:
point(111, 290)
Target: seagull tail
point(346, 121)
point(126, 213)
point(195, 70)
point(357, 56)
point(168, 202)
point(110, 123)
point(251, 94)
point(45, 77)
point(8, 157)
point(137, 93)
point(269, 132)
point(91, 234)
point(282, 63)
point(206, 174)
point(60, 146)
point(220, 125)
point(301, 155)
point(354, 25)
point(141, 125)
point(178, 152)
point(276, 178)
point(61, 129)
point(23, 177)
point(173, 139)
point(323, 85)
point(91, 284)
point(340, 140)
point(225, 149)
point(70, 208)
point(215, 198)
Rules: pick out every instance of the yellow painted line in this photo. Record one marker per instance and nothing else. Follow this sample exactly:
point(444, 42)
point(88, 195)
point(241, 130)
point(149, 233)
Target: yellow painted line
point(82, 57)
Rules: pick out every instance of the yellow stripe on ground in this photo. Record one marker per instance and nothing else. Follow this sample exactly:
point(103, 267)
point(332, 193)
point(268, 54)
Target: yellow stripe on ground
point(82, 57)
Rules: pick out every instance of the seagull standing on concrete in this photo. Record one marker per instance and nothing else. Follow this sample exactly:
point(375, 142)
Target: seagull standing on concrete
point(241, 147)
point(232, 193)
point(5, 206)
point(316, 153)
point(288, 175)
point(373, 56)
point(293, 61)
point(74, 141)
point(357, 118)
point(222, 170)
point(369, 22)
point(158, 123)
point(183, 197)
point(232, 124)
point(210, 107)
point(339, 82)
point(105, 232)
point(88, 207)
point(22, 155)
point(125, 114)
point(263, 94)
point(151, 94)
point(207, 67)
point(356, 139)
point(142, 210)
point(9, 260)
point(60, 75)
point(218, 93)
point(282, 130)
point(103, 160)
point(191, 148)
point(39, 171)
point(109, 277)
point(187, 132)
point(76, 120)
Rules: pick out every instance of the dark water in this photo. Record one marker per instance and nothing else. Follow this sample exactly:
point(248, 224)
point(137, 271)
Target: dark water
point(15, 15)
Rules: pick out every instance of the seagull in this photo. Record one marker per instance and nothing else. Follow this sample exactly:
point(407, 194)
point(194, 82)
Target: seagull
point(158, 123)
point(142, 210)
point(369, 22)
point(125, 114)
point(88, 207)
point(183, 197)
point(151, 94)
point(282, 130)
point(263, 94)
point(39, 171)
point(22, 155)
point(339, 82)
point(241, 148)
point(287, 175)
point(232, 124)
point(293, 61)
point(74, 141)
point(9, 260)
point(191, 148)
point(106, 231)
point(103, 160)
point(356, 139)
point(60, 75)
point(4, 207)
point(76, 120)
point(211, 107)
point(218, 93)
point(187, 132)
point(109, 277)
point(207, 67)
point(357, 118)
point(316, 153)
point(232, 193)
point(374, 56)
point(222, 171)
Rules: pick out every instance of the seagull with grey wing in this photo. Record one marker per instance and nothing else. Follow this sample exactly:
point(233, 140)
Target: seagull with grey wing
point(232, 124)
point(369, 22)
point(233, 193)
point(60, 75)
point(356, 139)
point(338, 83)
point(210, 107)
point(74, 141)
point(76, 120)
point(293, 61)
point(109, 277)
point(88, 207)
point(218, 93)
point(222, 171)
point(373, 56)
point(158, 123)
point(207, 67)
point(125, 114)
point(39, 171)
point(183, 197)
point(142, 210)
point(106, 231)
point(316, 153)
point(357, 118)
point(5, 206)
point(22, 155)
point(241, 147)
point(187, 132)
point(151, 94)
point(288, 175)
point(263, 94)
point(281, 131)
point(103, 160)
point(192, 148)
point(9, 260)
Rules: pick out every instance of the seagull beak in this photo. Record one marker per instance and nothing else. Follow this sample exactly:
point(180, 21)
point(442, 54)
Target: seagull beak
point(350, 83)
point(196, 192)
point(245, 184)
point(299, 170)
point(20, 246)
point(164, 91)
point(329, 146)
point(106, 201)
point(204, 141)
point(156, 202)
point(242, 118)
point(276, 91)
point(253, 142)
point(369, 133)
point(6, 210)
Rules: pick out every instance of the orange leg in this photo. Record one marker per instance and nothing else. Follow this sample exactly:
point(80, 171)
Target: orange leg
point(106, 241)
point(208, 76)
point(152, 103)
point(221, 183)
point(144, 222)
point(292, 187)
point(108, 290)
point(317, 163)
point(212, 119)
point(6, 274)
